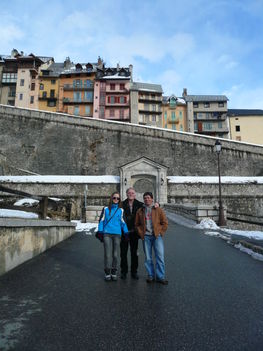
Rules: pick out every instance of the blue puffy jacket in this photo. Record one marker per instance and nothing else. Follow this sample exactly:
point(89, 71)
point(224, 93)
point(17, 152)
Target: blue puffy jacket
point(116, 225)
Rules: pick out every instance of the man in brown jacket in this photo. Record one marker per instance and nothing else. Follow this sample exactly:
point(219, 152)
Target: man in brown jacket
point(151, 224)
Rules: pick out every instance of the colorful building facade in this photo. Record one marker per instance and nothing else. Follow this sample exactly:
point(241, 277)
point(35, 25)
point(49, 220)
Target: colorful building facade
point(174, 113)
point(112, 94)
point(246, 125)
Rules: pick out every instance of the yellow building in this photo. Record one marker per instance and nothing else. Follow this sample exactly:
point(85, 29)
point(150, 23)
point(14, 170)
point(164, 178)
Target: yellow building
point(246, 125)
point(49, 87)
point(174, 113)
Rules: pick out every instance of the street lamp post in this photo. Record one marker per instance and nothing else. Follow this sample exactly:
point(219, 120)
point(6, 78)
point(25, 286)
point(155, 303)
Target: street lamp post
point(221, 217)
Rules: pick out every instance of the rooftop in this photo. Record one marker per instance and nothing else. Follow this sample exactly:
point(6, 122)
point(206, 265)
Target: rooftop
point(244, 112)
point(205, 98)
point(157, 88)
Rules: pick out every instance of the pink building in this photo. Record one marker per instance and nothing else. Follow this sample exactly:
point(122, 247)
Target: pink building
point(112, 94)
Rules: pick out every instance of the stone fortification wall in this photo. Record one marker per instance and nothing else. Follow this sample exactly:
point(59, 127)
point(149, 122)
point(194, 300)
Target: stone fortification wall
point(52, 143)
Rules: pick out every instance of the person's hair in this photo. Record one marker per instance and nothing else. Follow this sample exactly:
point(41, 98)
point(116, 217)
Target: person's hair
point(111, 200)
point(130, 188)
point(148, 193)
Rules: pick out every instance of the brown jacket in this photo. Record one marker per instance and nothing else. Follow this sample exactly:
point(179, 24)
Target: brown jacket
point(159, 221)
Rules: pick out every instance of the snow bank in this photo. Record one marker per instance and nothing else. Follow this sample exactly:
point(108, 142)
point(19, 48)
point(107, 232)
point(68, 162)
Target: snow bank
point(214, 180)
point(108, 179)
point(207, 223)
point(17, 214)
point(26, 202)
point(89, 228)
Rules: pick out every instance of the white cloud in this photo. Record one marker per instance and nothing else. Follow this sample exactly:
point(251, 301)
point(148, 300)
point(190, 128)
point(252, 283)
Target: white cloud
point(242, 97)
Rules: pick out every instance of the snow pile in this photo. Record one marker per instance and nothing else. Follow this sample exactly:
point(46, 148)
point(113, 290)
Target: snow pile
point(250, 252)
point(88, 228)
point(207, 223)
point(49, 179)
point(26, 202)
point(256, 235)
point(17, 214)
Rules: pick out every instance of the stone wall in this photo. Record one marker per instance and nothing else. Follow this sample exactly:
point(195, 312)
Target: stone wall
point(21, 240)
point(53, 143)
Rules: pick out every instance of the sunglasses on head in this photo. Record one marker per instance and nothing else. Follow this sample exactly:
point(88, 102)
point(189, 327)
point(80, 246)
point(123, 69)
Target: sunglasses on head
point(116, 198)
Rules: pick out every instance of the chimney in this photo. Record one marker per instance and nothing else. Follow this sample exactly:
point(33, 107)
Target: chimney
point(67, 63)
point(130, 69)
point(184, 92)
point(118, 67)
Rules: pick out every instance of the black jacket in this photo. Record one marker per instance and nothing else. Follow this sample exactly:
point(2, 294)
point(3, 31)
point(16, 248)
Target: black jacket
point(130, 217)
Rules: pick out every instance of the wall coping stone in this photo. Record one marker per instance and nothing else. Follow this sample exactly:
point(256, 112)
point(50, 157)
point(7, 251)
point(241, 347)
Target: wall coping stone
point(16, 222)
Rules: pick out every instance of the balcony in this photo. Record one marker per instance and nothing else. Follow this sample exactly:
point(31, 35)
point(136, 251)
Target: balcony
point(149, 99)
point(77, 101)
point(150, 112)
point(173, 121)
point(78, 87)
point(47, 98)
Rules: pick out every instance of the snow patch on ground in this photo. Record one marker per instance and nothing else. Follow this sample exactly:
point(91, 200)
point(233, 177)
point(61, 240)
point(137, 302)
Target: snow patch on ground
point(88, 228)
point(250, 252)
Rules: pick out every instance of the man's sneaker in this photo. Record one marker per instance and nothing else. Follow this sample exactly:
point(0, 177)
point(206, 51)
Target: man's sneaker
point(134, 276)
point(107, 277)
point(114, 274)
point(123, 276)
point(149, 279)
point(162, 281)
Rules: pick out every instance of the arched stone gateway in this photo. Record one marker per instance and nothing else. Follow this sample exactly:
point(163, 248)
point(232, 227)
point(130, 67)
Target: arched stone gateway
point(144, 175)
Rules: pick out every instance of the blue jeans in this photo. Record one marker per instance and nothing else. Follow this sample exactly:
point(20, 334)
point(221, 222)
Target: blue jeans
point(149, 243)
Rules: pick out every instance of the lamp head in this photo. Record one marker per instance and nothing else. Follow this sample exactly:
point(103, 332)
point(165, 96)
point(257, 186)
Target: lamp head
point(218, 146)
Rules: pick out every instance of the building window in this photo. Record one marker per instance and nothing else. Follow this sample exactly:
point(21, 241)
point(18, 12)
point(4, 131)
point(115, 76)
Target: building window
point(102, 112)
point(88, 96)
point(31, 99)
point(76, 110)
point(122, 86)
point(77, 96)
point(221, 104)
point(52, 93)
point(112, 113)
point(44, 95)
point(9, 77)
point(154, 107)
point(146, 107)
point(123, 99)
point(207, 126)
point(33, 85)
point(195, 104)
point(41, 86)
point(87, 111)
point(112, 86)
point(22, 82)
point(173, 115)
point(51, 103)
point(206, 104)
point(77, 83)
point(195, 126)
point(20, 96)
point(153, 118)
point(88, 83)
point(121, 113)
point(53, 81)
point(237, 128)
point(220, 125)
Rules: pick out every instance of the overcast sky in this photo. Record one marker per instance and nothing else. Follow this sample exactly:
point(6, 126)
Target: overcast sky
point(206, 46)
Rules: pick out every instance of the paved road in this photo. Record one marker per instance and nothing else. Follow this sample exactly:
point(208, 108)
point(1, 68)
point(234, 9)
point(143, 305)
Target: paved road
point(59, 300)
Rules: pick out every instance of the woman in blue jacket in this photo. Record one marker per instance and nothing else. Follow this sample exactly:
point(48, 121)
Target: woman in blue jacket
point(112, 225)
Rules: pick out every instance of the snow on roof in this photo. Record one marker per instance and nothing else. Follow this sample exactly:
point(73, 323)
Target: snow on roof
point(108, 179)
point(214, 180)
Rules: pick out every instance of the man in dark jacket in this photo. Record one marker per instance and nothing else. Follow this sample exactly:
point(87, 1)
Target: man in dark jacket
point(130, 206)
